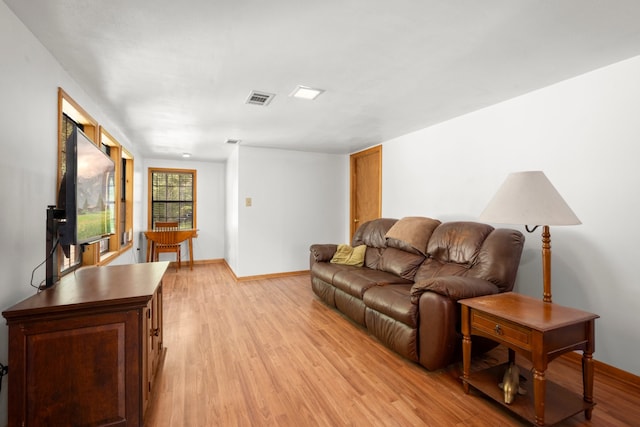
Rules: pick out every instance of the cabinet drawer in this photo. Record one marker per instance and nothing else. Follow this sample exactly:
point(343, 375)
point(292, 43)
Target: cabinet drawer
point(501, 330)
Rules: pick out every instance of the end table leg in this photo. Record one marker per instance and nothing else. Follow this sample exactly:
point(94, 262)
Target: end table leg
point(587, 370)
point(466, 348)
point(466, 361)
point(539, 391)
point(587, 382)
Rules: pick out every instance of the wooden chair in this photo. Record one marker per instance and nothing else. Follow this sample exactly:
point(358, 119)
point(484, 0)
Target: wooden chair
point(167, 240)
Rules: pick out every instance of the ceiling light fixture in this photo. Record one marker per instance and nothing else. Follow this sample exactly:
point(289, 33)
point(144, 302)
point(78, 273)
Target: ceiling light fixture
point(305, 92)
point(186, 155)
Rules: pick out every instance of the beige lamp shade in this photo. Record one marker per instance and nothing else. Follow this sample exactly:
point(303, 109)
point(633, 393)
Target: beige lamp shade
point(528, 198)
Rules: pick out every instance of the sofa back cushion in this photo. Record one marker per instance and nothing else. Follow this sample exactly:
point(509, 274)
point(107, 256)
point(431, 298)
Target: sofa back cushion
point(473, 249)
point(499, 258)
point(379, 256)
point(372, 257)
point(372, 233)
point(411, 234)
point(458, 242)
point(462, 248)
point(400, 263)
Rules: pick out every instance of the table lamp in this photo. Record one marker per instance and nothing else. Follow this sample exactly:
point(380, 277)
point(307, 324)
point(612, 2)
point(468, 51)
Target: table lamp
point(529, 199)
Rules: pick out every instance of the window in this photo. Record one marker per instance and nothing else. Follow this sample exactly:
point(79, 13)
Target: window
point(122, 201)
point(70, 114)
point(126, 200)
point(172, 197)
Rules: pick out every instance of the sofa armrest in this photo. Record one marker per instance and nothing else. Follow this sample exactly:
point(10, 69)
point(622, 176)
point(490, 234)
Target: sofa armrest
point(453, 287)
point(322, 252)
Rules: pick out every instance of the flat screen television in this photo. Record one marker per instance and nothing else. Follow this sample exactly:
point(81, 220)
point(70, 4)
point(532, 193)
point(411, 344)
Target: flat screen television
point(86, 197)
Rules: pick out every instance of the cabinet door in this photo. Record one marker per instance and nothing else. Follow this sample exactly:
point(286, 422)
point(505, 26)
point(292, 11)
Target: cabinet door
point(146, 355)
point(159, 319)
point(77, 371)
point(156, 319)
point(152, 348)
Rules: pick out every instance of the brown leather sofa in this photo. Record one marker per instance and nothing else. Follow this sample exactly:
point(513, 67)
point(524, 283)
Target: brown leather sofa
point(406, 292)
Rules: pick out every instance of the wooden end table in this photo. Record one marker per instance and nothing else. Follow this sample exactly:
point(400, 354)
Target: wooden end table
point(539, 331)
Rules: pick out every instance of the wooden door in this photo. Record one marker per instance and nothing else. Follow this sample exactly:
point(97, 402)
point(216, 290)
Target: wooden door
point(366, 186)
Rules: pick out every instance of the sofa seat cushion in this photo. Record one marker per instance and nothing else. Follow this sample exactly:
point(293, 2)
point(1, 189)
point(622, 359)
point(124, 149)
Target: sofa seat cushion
point(324, 291)
point(357, 281)
point(326, 270)
point(393, 301)
point(394, 334)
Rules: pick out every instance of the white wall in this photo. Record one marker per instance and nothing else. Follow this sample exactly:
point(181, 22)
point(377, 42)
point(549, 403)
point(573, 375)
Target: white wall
point(584, 134)
point(210, 206)
point(297, 199)
point(29, 81)
point(232, 210)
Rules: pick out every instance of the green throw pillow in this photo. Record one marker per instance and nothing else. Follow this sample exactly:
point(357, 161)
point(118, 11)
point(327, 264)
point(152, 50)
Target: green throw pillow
point(347, 255)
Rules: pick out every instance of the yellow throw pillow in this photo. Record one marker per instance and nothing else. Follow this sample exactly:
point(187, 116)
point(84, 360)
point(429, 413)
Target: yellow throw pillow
point(347, 255)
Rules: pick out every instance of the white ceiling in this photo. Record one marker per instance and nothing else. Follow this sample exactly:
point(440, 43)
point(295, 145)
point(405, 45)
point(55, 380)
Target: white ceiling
point(174, 75)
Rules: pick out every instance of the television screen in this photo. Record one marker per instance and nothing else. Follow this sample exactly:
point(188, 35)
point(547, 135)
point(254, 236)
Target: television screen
point(89, 192)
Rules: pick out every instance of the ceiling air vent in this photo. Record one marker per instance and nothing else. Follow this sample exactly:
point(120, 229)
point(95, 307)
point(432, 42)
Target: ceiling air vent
point(232, 141)
point(259, 98)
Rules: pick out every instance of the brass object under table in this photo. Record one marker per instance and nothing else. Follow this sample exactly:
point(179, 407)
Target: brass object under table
point(539, 331)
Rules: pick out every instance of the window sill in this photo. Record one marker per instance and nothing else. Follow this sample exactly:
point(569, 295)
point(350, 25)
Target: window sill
point(107, 257)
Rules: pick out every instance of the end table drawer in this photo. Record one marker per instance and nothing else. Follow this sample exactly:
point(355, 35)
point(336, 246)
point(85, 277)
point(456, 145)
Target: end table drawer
point(502, 330)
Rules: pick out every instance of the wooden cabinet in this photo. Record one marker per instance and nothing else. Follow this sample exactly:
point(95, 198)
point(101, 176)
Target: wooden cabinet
point(85, 351)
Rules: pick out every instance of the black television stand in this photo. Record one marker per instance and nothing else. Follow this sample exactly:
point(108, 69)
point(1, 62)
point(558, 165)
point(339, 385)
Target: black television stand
point(54, 217)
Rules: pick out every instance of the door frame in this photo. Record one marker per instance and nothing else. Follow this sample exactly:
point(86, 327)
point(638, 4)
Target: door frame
point(353, 221)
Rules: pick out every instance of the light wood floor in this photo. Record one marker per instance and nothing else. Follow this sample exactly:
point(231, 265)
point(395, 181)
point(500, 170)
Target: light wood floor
point(268, 353)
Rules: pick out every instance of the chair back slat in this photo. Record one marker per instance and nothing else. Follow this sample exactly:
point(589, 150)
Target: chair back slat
point(166, 225)
point(167, 237)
